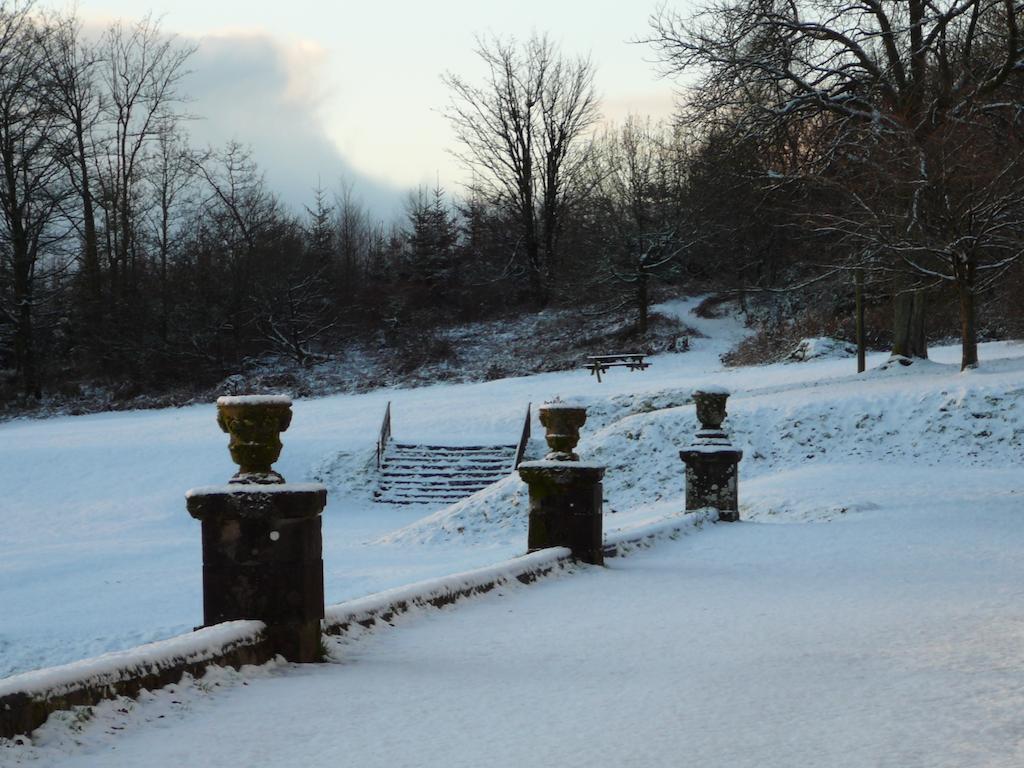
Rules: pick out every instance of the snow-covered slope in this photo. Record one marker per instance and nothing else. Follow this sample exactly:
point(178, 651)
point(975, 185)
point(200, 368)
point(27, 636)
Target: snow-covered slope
point(857, 431)
point(97, 552)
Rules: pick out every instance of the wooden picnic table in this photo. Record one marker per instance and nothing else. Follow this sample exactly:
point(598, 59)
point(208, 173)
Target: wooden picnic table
point(633, 361)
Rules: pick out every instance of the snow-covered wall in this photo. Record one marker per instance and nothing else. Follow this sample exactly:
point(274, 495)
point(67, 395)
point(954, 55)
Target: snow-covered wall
point(448, 589)
point(26, 700)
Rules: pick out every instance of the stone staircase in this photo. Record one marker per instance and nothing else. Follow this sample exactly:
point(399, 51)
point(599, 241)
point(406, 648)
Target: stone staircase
point(440, 474)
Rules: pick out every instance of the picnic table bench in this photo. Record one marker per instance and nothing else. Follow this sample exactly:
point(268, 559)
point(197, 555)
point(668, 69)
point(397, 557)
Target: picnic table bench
point(599, 364)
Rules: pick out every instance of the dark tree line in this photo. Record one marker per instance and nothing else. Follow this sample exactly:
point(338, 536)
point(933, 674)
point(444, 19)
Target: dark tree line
point(827, 156)
point(131, 259)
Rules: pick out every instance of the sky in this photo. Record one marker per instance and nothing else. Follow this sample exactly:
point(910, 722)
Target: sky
point(326, 91)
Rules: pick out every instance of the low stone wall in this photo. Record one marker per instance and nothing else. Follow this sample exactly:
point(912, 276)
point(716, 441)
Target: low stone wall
point(28, 699)
point(622, 543)
point(384, 606)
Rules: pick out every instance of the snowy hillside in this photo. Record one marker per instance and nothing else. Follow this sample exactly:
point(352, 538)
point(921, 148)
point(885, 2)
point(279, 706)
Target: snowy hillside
point(839, 442)
point(98, 553)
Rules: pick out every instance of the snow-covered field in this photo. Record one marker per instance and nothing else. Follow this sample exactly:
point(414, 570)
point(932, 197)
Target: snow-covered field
point(912, 604)
point(889, 639)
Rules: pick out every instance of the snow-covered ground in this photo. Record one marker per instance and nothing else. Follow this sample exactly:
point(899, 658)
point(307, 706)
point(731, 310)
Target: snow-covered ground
point(891, 638)
point(97, 552)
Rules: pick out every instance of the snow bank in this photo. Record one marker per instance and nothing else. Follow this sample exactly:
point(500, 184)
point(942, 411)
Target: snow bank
point(445, 590)
point(932, 416)
point(568, 404)
point(237, 488)
point(556, 464)
point(497, 514)
point(28, 699)
point(631, 538)
point(229, 400)
point(713, 389)
point(110, 668)
point(819, 348)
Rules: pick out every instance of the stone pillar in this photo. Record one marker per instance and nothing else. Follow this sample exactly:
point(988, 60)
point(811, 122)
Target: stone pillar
point(711, 460)
point(262, 547)
point(566, 495)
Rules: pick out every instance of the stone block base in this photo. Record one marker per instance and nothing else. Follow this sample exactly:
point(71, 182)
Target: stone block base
point(711, 481)
point(262, 559)
point(566, 505)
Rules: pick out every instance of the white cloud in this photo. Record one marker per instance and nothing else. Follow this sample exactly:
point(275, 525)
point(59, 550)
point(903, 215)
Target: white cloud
point(268, 94)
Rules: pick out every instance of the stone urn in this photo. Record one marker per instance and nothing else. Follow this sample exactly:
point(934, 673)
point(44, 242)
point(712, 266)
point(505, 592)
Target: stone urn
point(255, 423)
point(711, 459)
point(262, 541)
point(710, 407)
point(562, 422)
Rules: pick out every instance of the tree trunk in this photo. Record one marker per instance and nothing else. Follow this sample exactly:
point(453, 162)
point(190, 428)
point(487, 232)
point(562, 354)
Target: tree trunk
point(859, 297)
point(549, 231)
point(91, 257)
point(918, 339)
point(22, 263)
point(901, 305)
point(908, 337)
point(968, 325)
point(641, 302)
point(24, 332)
point(25, 347)
point(538, 293)
point(165, 247)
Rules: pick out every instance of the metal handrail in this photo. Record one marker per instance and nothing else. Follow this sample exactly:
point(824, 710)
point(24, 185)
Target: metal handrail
point(524, 438)
point(385, 435)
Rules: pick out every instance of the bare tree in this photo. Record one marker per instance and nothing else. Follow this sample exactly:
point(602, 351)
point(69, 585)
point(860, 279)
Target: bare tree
point(352, 240)
point(31, 179)
point(637, 189)
point(239, 210)
point(523, 134)
point(71, 71)
point(170, 180)
point(142, 68)
point(296, 313)
point(897, 85)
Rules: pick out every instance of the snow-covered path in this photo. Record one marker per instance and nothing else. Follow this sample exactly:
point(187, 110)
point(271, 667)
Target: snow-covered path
point(878, 640)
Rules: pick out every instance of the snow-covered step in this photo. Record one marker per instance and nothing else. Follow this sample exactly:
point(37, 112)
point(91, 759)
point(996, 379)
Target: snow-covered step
point(466, 463)
point(453, 449)
point(446, 471)
point(435, 481)
point(431, 478)
point(420, 496)
point(407, 502)
point(424, 493)
point(420, 482)
point(440, 474)
point(474, 455)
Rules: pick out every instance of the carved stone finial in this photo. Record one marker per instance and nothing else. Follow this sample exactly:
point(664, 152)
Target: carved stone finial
point(255, 423)
point(710, 407)
point(562, 422)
